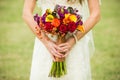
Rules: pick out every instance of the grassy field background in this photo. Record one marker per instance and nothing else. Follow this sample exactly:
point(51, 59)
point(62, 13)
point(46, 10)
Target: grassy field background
point(16, 42)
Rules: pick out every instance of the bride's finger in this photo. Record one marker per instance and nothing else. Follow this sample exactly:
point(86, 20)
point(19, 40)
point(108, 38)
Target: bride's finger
point(57, 52)
point(66, 47)
point(53, 58)
point(53, 53)
point(58, 48)
point(63, 44)
point(66, 54)
point(66, 50)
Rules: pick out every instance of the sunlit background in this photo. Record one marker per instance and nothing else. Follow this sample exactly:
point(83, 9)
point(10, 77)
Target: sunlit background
point(16, 42)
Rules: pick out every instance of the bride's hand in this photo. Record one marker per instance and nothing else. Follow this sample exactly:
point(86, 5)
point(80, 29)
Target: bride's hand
point(66, 47)
point(53, 49)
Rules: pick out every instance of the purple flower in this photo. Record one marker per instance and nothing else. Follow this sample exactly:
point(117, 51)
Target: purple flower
point(37, 18)
point(79, 22)
point(75, 11)
point(79, 19)
point(43, 18)
point(61, 10)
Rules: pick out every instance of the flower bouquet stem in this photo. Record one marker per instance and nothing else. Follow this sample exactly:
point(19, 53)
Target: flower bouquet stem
point(59, 67)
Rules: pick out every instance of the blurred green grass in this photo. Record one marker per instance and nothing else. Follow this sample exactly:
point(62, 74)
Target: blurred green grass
point(16, 42)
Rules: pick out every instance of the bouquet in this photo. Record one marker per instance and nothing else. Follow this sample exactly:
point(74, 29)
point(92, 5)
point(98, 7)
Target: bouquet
point(60, 21)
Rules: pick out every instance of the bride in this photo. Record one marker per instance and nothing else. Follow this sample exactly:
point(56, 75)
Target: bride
point(77, 48)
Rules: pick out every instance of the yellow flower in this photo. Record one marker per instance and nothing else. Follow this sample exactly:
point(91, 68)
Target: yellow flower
point(73, 18)
point(69, 18)
point(49, 18)
point(49, 11)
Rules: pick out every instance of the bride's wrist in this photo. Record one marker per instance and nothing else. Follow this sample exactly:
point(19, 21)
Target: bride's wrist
point(45, 40)
point(71, 40)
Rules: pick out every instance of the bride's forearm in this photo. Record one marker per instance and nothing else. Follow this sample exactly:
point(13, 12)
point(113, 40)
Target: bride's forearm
point(94, 17)
point(33, 25)
point(28, 18)
point(88, 25)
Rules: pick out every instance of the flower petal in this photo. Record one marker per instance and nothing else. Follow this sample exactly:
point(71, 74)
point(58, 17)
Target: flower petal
point(81, 28)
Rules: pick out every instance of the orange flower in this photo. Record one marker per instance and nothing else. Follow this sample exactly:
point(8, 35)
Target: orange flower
point(55, 22)
point(69, 18)
point(66, 19)
point(81, 28)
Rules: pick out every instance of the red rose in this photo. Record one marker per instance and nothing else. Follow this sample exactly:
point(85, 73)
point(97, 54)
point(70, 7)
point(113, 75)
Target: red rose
point(63, 28)
point(48, 27)
point(72, 26)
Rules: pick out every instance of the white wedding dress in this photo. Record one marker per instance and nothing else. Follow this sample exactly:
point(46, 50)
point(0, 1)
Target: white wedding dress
point(77, 62)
